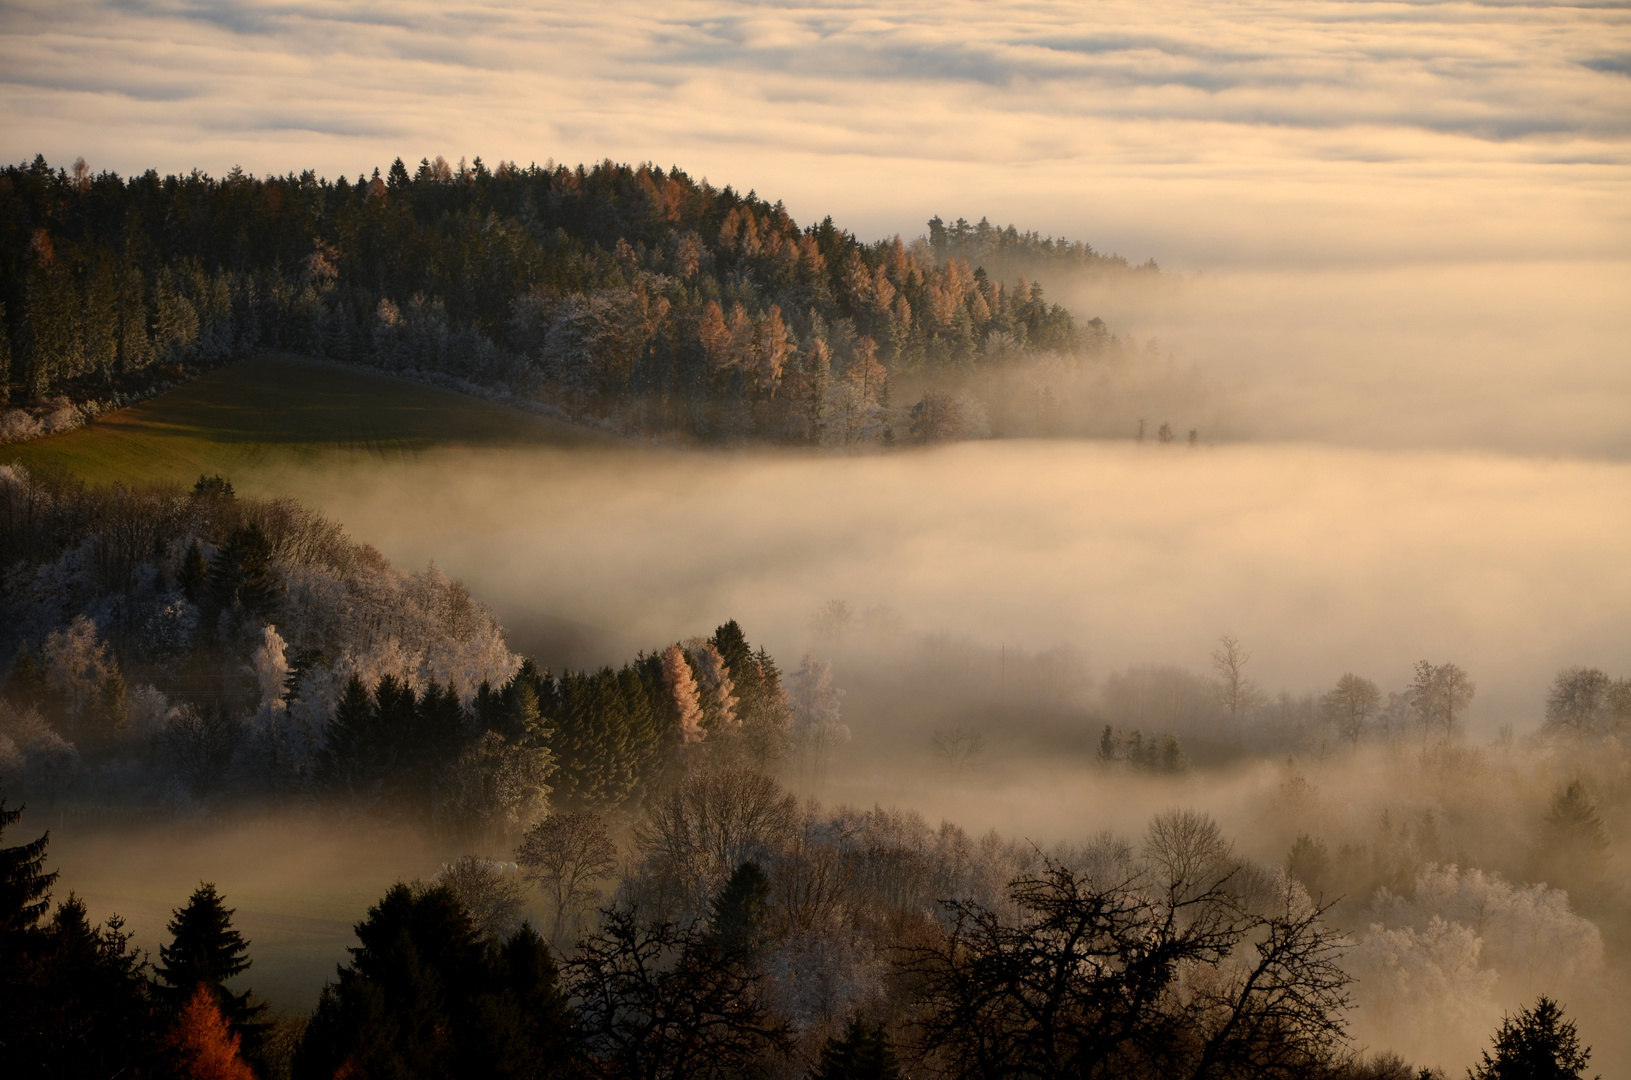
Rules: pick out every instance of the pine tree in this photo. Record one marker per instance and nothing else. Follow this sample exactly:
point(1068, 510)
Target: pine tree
point(861, 1053)
point(206, 951)
point(5, 357)
point(25, 686)
point(740, 910)
point(25, 887)
point(194, 572)
point(1537, 1044)
point(351, 754)
point(681, 685)
point(1574, 847)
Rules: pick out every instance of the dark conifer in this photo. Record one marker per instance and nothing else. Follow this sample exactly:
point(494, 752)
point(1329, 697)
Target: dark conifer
point(860, 1053)
point(205, 950)
point(1537, 1044)
point(25, 686)
point(351, 759)
point(739, 911)
point(25, 886)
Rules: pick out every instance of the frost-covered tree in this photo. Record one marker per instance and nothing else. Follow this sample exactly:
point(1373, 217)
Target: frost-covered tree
point(818, 729)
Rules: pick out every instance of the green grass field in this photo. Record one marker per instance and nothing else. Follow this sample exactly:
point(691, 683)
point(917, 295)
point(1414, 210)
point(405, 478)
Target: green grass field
point(265, 418)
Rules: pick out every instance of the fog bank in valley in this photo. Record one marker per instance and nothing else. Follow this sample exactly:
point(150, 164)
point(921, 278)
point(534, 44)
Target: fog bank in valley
point(1321, 560)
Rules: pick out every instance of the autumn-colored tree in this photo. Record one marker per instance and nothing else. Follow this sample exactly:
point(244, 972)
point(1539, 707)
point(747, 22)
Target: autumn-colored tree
point(682, 692)
point(209, 1048)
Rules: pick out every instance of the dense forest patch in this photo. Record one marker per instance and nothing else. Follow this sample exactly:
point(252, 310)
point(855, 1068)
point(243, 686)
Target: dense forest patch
point(631, 297)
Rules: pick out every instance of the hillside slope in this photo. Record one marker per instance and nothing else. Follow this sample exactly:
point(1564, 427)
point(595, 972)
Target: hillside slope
point(258, 420)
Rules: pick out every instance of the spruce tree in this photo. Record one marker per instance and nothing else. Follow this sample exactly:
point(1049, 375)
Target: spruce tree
point(739, 911)
point(205, 950)
point(1537, 1044)
point(350, 758)
point(25, 686)
point(25, 887)
point(860, 1053)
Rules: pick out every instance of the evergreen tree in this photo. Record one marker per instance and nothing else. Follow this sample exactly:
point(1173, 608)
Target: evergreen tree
point(394, 722)
point(5, 357)
point(25, 686)
point(426, 996)
point(241, 578)
point(205, 950)
point(1574, 846)
point(860, 1053)
point(351, 759)
point(194, 572)
point(1537, 1044)
point(739, 911)
point(25, 886)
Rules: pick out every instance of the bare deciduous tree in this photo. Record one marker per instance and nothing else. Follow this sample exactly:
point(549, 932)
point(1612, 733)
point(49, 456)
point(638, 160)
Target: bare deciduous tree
point(491, 893)
point(957, 748)
point(1236, 693)
point(1579, 699)
point(1167, 970)
point(663, 1003)
point(711, 822)
point(565, 855)
point(1350, 705)
point(1440, 694)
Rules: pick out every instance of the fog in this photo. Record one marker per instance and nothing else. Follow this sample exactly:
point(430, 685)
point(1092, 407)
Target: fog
point(1320, 559)
point(1524, 357)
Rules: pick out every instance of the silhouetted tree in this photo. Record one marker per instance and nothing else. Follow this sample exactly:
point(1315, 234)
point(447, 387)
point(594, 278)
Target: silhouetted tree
point(205, 950)
point(426, 996)
point(860, 1053)
point(1537, 1044)
point(660, 1003)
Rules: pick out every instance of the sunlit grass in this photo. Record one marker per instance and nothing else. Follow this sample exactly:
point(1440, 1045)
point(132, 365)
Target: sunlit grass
point(260, 420)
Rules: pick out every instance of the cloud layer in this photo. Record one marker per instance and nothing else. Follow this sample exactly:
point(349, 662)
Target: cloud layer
point(1203, 132)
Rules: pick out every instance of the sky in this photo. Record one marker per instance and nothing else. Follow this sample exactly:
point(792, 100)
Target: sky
point(1205, 134)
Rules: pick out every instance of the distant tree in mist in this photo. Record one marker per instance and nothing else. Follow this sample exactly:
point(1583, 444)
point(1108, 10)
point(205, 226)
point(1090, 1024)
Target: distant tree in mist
point(492, 893)
point(1573, 845)
point(818, 729)
point(833, 622)
point(1349, 706)
point(565, 855)
point(957, 748)
point(1587, 701)
point(936, 418)
point(1536, 1044)
point(1237, 694)
point(1440, 693)
point(1309, 864)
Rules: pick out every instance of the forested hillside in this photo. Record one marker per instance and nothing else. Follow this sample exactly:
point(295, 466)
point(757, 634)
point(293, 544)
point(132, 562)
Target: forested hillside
point(168, 646)
point(632, 297)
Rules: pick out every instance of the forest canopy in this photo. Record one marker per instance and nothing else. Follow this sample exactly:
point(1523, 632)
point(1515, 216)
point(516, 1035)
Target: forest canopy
point(630, 296)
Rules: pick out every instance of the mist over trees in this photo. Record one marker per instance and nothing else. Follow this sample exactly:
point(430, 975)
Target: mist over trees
point(635, 298)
